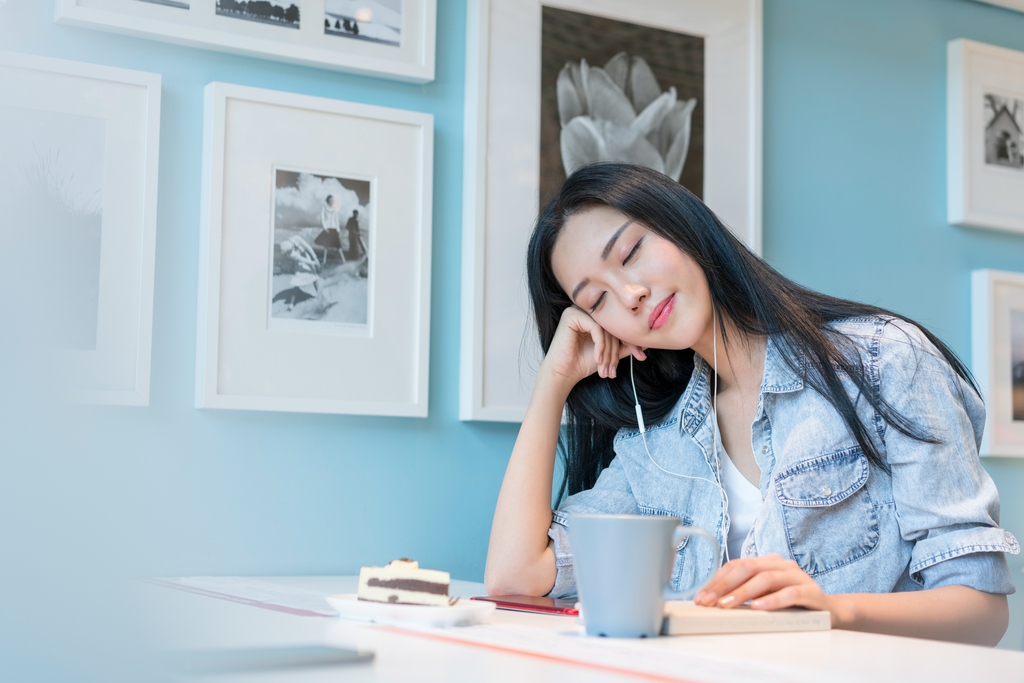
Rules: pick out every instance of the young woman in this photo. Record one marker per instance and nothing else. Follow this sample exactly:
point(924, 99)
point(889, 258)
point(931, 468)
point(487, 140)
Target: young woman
point(831, 446)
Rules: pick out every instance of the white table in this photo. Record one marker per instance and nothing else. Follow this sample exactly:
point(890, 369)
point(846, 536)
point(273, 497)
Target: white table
point(180, 620)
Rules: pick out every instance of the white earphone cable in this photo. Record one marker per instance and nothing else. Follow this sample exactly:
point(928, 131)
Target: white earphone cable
point(714, 399)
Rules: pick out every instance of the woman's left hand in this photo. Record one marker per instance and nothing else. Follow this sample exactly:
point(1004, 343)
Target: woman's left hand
point(771, 582)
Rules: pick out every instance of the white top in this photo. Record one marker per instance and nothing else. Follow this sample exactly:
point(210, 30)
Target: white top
point(744, 504)
point(330, 219)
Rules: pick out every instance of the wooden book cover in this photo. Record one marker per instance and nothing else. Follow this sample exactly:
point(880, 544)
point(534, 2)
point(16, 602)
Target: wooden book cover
point(686, 618)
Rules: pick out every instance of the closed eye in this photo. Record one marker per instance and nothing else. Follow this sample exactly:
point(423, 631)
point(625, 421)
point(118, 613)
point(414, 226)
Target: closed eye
point(598, 302)
point(632, 252)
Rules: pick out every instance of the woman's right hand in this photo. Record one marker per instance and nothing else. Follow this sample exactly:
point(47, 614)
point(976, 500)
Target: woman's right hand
point(581, 347)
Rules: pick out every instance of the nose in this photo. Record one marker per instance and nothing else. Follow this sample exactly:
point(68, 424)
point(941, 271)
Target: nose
point(634, 295)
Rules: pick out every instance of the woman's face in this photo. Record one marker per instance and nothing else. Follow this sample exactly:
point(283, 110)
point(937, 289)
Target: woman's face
point(635, 284)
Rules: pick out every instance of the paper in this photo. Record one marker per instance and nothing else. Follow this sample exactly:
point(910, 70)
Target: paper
point(659, 657)
point(255, 592)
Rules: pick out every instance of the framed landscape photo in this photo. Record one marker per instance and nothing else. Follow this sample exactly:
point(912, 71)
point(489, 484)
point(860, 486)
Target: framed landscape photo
point(79, 147)
point(674, 85)
point(985, 131)
point(314, 292)
point(997, 341)
point(386, 38)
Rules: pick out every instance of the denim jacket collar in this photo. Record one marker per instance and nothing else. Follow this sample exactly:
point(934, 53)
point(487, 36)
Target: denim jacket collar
point(778, 378)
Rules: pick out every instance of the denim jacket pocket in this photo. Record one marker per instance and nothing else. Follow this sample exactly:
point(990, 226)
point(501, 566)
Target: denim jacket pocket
point(679, 563)
point(829, 517)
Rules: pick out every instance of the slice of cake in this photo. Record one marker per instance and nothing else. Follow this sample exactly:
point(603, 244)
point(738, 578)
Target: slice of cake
point(402, 581)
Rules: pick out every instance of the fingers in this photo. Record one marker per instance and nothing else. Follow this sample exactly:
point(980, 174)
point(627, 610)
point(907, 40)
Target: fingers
point(606, 351)
point(770, 582)
point(737, 572)
point(790, 596)
point(759, 585)
point(631, 350)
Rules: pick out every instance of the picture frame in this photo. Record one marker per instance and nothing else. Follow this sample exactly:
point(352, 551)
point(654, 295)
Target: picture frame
point(985, 142)
point(396, 44)
point(81, 143)
point(997, 358)
point(504, 165)
point(296, 315)
point(1017, 5)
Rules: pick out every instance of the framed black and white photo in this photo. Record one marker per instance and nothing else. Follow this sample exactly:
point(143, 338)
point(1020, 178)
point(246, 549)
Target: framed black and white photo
point(985, 131)
point(314, 291)
point(674, 85)
point(78, 181)
point(386, 38)
point(322, 225)
point(997, 339)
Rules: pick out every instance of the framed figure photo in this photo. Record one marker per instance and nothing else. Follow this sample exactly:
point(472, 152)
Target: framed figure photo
point(314, 291)
point(386, 38)
point(79, 147)
point(674, 85)
point(997, 341)
point(321, 228)
point(985, 131)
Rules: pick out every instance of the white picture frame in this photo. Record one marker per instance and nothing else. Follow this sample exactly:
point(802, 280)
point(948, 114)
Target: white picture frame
point(198, 24)
point(997, 358)
point(985, 143)
point(242, 361)
point(498, 355)
point(1008, 4)
point(122, 109)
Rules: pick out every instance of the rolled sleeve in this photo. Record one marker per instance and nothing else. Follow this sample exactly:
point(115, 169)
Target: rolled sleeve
point(610, 495)
point(983, 571)
point(946, 503)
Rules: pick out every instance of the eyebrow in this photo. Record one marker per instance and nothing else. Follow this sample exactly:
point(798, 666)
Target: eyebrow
point(604, 256)
point(611, 242)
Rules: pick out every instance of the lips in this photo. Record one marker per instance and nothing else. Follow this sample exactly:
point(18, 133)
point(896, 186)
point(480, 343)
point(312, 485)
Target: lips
point(659, 316)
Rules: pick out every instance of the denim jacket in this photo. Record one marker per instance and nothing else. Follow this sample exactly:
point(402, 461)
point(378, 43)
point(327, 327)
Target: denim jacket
point(932, 520)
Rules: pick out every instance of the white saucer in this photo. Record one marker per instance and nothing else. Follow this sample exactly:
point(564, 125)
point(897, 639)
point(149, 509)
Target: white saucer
point(465, 612)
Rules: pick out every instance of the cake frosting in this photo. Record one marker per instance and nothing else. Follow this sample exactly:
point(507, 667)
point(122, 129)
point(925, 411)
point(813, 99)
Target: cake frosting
point(402, 581)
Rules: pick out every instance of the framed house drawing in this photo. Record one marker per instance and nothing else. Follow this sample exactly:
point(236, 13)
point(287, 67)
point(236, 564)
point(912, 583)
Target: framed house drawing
point(314, 290)
point(985, 136)
point(689, 71)
point(386, 38)
point(79, 146)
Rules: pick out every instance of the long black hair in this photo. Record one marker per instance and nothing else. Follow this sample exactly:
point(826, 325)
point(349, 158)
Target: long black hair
point(755, 297)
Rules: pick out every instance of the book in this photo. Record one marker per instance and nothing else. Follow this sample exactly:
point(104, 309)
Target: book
point(685, 618)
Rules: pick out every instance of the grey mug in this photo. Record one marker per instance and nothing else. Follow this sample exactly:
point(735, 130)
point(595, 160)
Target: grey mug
point(623, 565)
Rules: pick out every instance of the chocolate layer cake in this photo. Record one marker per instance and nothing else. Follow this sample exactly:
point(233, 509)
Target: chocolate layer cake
point(402, 581)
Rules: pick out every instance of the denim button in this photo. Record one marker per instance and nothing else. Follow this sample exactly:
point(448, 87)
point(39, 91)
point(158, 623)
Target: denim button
point(826, 491)
point(764, 449)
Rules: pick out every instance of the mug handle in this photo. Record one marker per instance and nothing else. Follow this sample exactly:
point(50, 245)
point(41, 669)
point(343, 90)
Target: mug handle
point(678, 535)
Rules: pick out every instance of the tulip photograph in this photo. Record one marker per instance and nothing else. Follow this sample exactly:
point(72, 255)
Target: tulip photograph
point(615, 91)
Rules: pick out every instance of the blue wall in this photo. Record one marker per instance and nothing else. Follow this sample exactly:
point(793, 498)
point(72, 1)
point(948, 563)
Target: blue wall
point(855, 172)
point(854, 205)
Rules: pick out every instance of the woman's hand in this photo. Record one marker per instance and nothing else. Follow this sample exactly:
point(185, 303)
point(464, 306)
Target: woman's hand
point(581, 347)
point(770, 581)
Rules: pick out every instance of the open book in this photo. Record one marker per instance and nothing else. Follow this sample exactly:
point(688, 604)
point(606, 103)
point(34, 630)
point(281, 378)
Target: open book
point(686, 618)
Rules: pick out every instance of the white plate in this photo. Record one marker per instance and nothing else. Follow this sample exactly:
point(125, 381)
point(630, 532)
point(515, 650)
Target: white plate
point(465, 612)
